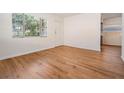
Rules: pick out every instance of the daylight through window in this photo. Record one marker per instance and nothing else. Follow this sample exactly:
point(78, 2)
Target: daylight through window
point(25, 25)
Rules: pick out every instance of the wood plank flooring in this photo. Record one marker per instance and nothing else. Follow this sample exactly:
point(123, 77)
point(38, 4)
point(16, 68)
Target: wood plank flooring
point(65, 63)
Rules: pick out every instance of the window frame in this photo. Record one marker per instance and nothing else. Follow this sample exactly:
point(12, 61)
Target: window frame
point(41, 31)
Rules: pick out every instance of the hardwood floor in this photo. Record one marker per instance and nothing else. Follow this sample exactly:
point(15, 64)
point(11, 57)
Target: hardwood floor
point(65, 62)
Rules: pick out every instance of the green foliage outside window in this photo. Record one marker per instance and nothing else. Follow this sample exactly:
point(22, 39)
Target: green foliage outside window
point(26, 25)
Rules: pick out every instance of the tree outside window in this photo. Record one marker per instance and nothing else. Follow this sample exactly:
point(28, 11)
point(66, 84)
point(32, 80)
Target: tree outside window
point(25, 25)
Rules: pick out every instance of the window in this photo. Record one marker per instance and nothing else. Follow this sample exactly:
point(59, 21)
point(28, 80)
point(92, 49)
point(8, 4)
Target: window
point(25, 25)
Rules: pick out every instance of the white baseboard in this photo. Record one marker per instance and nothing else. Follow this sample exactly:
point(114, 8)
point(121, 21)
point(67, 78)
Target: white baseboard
point(99, 50)
point(20, 54)
point(36, 50)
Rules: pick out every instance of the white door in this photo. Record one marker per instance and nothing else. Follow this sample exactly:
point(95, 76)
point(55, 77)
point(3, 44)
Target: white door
point(57, 34)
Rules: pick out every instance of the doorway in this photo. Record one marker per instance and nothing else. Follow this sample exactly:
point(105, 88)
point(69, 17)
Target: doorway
point(58, 33)
point(111, 31)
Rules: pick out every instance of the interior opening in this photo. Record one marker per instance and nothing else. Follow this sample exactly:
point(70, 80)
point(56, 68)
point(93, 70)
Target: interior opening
point(111, 31)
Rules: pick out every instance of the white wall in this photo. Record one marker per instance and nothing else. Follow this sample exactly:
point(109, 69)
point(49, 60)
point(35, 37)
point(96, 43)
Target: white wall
point(122, 37)
point(10, 47)
point(83, 31)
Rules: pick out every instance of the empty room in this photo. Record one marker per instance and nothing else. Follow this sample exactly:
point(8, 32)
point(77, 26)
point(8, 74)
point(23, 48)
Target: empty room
point(61, 45)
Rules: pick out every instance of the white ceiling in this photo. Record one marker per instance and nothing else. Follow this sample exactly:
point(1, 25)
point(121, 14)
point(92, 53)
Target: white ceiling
point(110, 15)
point(65, 14)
